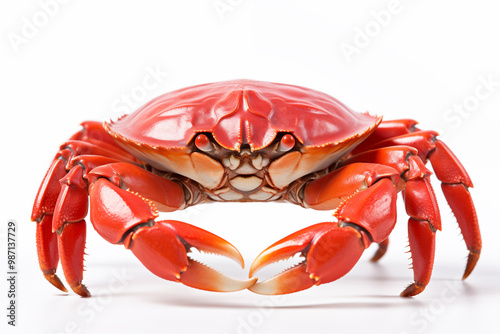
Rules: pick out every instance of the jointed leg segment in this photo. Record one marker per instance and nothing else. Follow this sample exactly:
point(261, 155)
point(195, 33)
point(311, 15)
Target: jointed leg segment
point(125, 200)
point(448, 169)
point(362, 197)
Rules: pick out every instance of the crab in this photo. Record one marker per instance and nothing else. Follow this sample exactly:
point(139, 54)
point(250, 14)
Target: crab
point(248, 141)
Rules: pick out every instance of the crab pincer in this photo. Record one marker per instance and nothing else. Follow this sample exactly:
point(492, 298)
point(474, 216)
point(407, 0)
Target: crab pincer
point(162, 246)
point(329, 253)
point(330, 250)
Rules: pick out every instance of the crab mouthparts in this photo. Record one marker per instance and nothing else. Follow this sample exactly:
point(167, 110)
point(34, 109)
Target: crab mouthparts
point(245, 183)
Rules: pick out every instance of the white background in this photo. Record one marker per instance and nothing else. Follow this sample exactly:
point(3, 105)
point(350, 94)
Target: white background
point(421, 61)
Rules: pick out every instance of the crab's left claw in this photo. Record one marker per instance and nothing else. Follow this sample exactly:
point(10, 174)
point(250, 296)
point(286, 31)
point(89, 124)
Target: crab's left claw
point(330, 251)
point(163, 248)
point(122, 216)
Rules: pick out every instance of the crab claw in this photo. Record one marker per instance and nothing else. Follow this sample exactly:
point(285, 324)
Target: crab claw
point(163, 248)
point(330, 251)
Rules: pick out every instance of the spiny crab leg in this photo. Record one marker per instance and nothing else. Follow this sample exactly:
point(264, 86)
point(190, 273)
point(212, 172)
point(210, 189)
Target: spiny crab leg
point(421, 206)
point(71, 162)
point(43, 210)
point(48, 253)
point(455, 182)
point(455, 186)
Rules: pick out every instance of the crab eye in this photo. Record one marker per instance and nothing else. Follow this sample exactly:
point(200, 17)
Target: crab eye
point(287, 142)
point(203, 143)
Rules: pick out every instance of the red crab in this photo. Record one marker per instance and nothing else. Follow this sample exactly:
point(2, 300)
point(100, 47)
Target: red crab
point(246, 141)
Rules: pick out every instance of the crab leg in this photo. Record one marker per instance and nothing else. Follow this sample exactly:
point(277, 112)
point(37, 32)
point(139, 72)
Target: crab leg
point(162, 246)
point(393, 156)
point(44, 207)
point(93, 132)
point(382, 249)
point(424, 221)
point(455, 186)
point(421, 205)
point(43, 210)
point(76, 148)
point(48, 253)
point(69, 224)
point(386, 130)
point(364, 196)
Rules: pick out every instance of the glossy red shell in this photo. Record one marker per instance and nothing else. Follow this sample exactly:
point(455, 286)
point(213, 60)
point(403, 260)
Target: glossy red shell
point(242, 111)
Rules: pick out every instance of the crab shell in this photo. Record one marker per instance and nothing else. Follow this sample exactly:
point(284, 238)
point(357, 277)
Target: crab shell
point(239, 114)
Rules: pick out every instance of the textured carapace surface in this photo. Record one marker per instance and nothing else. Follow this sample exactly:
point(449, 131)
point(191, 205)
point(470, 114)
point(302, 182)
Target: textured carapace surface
point(242, 112)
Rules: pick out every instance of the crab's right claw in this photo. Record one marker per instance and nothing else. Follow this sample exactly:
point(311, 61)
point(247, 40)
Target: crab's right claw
point(330, 250)
point(163, 248)
point(122, 216)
